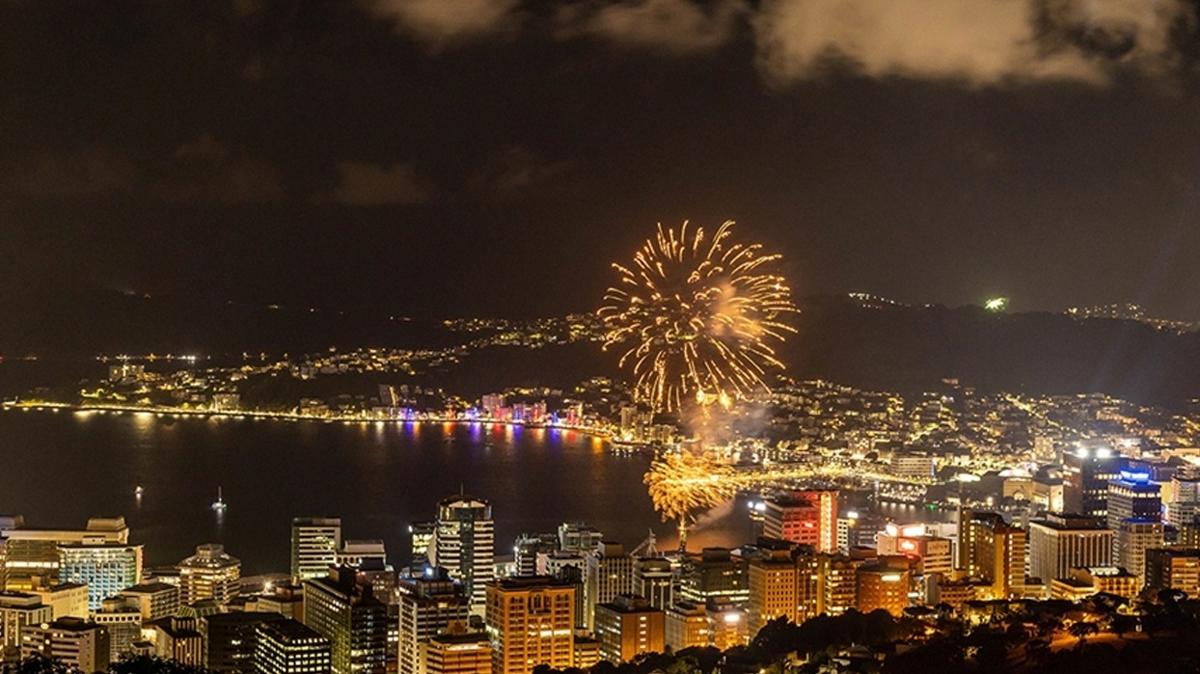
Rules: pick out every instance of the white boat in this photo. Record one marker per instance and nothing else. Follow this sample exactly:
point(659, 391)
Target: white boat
point(139, 491)
point(219, 505)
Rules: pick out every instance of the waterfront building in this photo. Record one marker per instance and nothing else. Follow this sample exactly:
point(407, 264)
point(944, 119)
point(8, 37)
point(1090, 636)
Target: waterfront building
point(106, 568)
point(429, 604)
point(211, 573)
point(31, 556)
point(154, 600)
point(230, 639)
point(315, 545)
point(805, 517)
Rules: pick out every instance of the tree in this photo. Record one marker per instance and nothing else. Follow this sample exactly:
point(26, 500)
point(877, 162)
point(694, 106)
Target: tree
point(1081, 630)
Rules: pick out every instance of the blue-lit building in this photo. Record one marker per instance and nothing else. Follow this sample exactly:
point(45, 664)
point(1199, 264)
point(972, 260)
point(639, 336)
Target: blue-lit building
point(106, 568)
point(1133, 496)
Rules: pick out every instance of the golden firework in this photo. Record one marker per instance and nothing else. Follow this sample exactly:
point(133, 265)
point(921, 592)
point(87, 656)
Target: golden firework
point(697, 317)
point(680, 484)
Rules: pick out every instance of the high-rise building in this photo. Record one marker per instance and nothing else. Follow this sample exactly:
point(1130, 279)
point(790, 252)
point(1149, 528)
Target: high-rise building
point(230, 639)
point(79, 644)
point(123, 620)
point(211, 573)
point(429, 604)
point(531, 621)
point(464, 545)
point(289, 647)
point(154, 600)
point(1086, 474)
point(33, 553)
point(586, 652)
point(286, 599)
point(67, 600)
point(773, 582)
point(178, 638)
point(714, 573)
point(315, 545)
point(654, 579)
point(420, 535)
point(806, 517)
point(927, 554)
point(609, 574)
point(995, 553)
point(883, 584)
point(686, 626)
point(1173, 569)
point(362, 552)
point(106, 568)
point(1134, 537)
point(1132, 495)
point(530, 551)
point(347, 613)
point(836, 585)
point(457, 652)
point(629, 626)
point(578, 537)
point(18, 609)
point(728, 624)
point(1061, 542)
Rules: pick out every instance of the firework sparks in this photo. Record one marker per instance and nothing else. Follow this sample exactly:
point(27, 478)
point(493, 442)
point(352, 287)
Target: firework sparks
point(680, 484)
point(697, 316)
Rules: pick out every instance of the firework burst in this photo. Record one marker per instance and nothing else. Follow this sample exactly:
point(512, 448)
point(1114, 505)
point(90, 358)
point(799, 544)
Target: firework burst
point(697, 316)
point(680, 484)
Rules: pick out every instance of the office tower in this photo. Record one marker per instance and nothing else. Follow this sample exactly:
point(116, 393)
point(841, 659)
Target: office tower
point(728, 624)
point(836, 584)
point(1173, 569)
point(883, 584)
point(18, 609)
point(67, 600)
point(716, 574)
point(79, 644)
point(571, 568)
point(927, 554)
point(654, 579)
point(105, 568)
point(429, 604)
point(33, 553)
point(286, 599)
point(123, 620)
point(1132, 495)
point(178, 638)
point(609, 574)
point(627, 627)
point(806, 517)
point(1183, 503)
point(530, 551)
point(289, 647)
point(421, 538)
point(360, 552)
point(154, 600)
point(995, 553)
point(686, 626)
point(1061, 542)
point(586, 652)
point(457, 652)
point(315, 544)
point(1087, 581)
point(230, 639)
point(531, 621)
point(578, 537)
point(347, 614)
point(1134, 537)
point(211, 573)
point(773, 585)
point(1086, 474)
point(464, 545)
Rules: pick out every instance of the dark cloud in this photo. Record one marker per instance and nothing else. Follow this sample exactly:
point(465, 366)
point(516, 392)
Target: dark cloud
point(85, 173)
point(365, 184)
point(438, 23)
point(673, 26)
point(519, 172)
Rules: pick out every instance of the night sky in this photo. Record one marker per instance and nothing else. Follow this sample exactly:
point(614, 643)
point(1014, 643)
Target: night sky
point(492, 156)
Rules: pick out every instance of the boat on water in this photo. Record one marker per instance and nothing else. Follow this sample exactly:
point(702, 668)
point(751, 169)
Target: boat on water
point(219, 505)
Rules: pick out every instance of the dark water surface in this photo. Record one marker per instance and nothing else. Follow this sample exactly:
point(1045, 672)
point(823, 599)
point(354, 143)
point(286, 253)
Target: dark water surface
point(57, 469)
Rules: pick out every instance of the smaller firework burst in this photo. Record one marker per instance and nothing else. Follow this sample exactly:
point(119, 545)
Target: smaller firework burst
point(684, 483)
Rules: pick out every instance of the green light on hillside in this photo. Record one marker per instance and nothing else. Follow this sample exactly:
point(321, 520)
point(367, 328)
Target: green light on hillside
point(996, 304)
